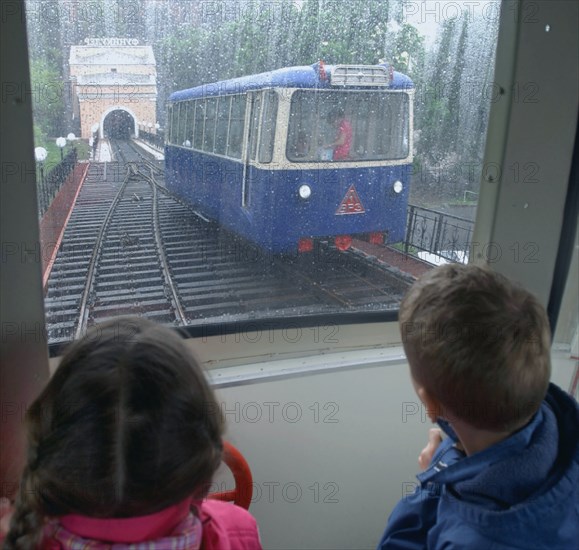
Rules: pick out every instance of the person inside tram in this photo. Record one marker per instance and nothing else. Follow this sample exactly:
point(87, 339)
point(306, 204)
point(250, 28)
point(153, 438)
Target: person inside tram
point(302, 145)
point(122, 445)
point(502, 471)
point(343, 140)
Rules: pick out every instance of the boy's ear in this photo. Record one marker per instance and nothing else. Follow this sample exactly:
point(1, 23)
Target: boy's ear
point(433, 407)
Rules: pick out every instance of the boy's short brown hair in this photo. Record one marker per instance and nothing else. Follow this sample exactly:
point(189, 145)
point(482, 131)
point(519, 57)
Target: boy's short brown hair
point(478, 344)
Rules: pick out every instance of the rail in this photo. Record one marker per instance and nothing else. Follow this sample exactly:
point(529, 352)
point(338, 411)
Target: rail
point(442, 235)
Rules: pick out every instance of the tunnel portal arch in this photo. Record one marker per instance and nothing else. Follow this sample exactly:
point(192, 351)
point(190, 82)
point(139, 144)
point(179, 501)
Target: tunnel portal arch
point(118, 122)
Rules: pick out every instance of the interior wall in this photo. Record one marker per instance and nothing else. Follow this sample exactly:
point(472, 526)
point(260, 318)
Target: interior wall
point(331, 453)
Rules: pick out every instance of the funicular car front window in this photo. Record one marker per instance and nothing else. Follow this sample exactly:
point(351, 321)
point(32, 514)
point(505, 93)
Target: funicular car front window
point(379, 122)
point(282, 193)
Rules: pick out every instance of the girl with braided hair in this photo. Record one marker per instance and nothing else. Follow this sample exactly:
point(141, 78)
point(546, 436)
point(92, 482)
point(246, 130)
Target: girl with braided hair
point(122, 445)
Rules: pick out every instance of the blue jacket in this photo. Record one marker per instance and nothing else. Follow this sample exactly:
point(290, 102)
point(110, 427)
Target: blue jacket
point(522, 493)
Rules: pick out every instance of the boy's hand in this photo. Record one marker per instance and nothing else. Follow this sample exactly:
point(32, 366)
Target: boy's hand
point(5, 516)
point(434, 440)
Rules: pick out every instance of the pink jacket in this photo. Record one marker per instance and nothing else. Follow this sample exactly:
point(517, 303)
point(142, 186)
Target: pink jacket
point(219, 526)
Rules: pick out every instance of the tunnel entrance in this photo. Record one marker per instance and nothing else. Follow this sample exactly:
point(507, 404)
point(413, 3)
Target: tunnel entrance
point(118, 124)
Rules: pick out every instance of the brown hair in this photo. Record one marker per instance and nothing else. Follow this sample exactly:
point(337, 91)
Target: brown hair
point(478, 344)
point(128, 425)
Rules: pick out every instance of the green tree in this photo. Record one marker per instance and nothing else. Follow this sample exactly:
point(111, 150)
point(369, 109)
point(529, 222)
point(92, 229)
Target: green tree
point(453, 112)
point(47, 97)
point(432, 101)
point(408, 55)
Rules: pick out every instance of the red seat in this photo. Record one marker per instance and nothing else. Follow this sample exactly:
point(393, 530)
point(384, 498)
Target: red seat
point(239, 467)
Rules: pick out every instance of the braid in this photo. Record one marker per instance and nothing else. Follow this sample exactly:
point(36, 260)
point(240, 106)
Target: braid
point(127, 426)
point(27, 521)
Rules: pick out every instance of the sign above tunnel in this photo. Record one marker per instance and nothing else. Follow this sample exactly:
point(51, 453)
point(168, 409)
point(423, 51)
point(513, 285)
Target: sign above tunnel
point(111, 42)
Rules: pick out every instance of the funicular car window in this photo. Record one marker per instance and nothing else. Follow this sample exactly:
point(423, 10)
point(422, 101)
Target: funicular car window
point(236, 124)
point(189, 123)
point(209, 130)
point(223, 108)
point(199, 124)
point(379, 123)
point(175, 123)
point(183, 112)
point(268, 124)
point(255, 117)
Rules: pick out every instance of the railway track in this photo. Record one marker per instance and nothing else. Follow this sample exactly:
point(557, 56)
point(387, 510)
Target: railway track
point(131, 248)
point(111, 260)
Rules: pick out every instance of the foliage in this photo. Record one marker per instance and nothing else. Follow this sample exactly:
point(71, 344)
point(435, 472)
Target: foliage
point(408, 54)
point(202, 42)
point(47, 97)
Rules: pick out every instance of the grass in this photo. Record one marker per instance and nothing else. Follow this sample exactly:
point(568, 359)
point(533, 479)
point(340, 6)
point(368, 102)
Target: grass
point(53, 151)
point(401, 247)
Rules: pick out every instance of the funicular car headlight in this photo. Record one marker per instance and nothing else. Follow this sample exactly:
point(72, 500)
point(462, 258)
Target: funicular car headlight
point(305, 191)
point(397, 186)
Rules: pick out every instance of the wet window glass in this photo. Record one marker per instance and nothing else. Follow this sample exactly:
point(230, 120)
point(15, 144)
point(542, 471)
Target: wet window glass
point(374, 126)
point(236, 126)
point(175, 123)
point(311, 161)
point(222, 125)
point(268, 124)
point(254, 127)
point(210, 120)
point(190, 116)
point(199, 124)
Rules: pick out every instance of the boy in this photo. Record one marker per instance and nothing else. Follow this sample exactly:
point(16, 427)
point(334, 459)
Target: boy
point(507, 476)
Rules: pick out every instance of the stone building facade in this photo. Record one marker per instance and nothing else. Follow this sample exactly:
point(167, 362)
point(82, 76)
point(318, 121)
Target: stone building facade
point(112, 75)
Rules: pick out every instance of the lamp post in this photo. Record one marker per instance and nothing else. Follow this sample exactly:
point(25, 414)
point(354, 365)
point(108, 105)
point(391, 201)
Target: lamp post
point(70, 138)
point(40, 154)
point(61, 143)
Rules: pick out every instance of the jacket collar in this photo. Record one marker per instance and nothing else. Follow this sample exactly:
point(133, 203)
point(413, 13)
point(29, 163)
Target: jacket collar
point(470, 466)
point(128, 530)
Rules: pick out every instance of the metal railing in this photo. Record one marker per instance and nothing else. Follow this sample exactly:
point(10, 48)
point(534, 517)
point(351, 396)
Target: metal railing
point(49, 183)
point(443, 235)
point(156, 140)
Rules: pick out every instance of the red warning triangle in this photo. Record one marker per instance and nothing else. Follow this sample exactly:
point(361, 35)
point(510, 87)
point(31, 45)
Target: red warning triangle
point(351, 203)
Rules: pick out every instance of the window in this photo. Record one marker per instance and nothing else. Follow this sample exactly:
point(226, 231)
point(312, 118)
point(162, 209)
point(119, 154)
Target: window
point(422, 149)
point(223, 107)
point(210, 120)
point(175, 123)
point(189, 122)
point(256, 100)
point(182, 123)
point(216, 125)
point(377, 124)
point(236, 125)
point(199, 124)
point(268, 125)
